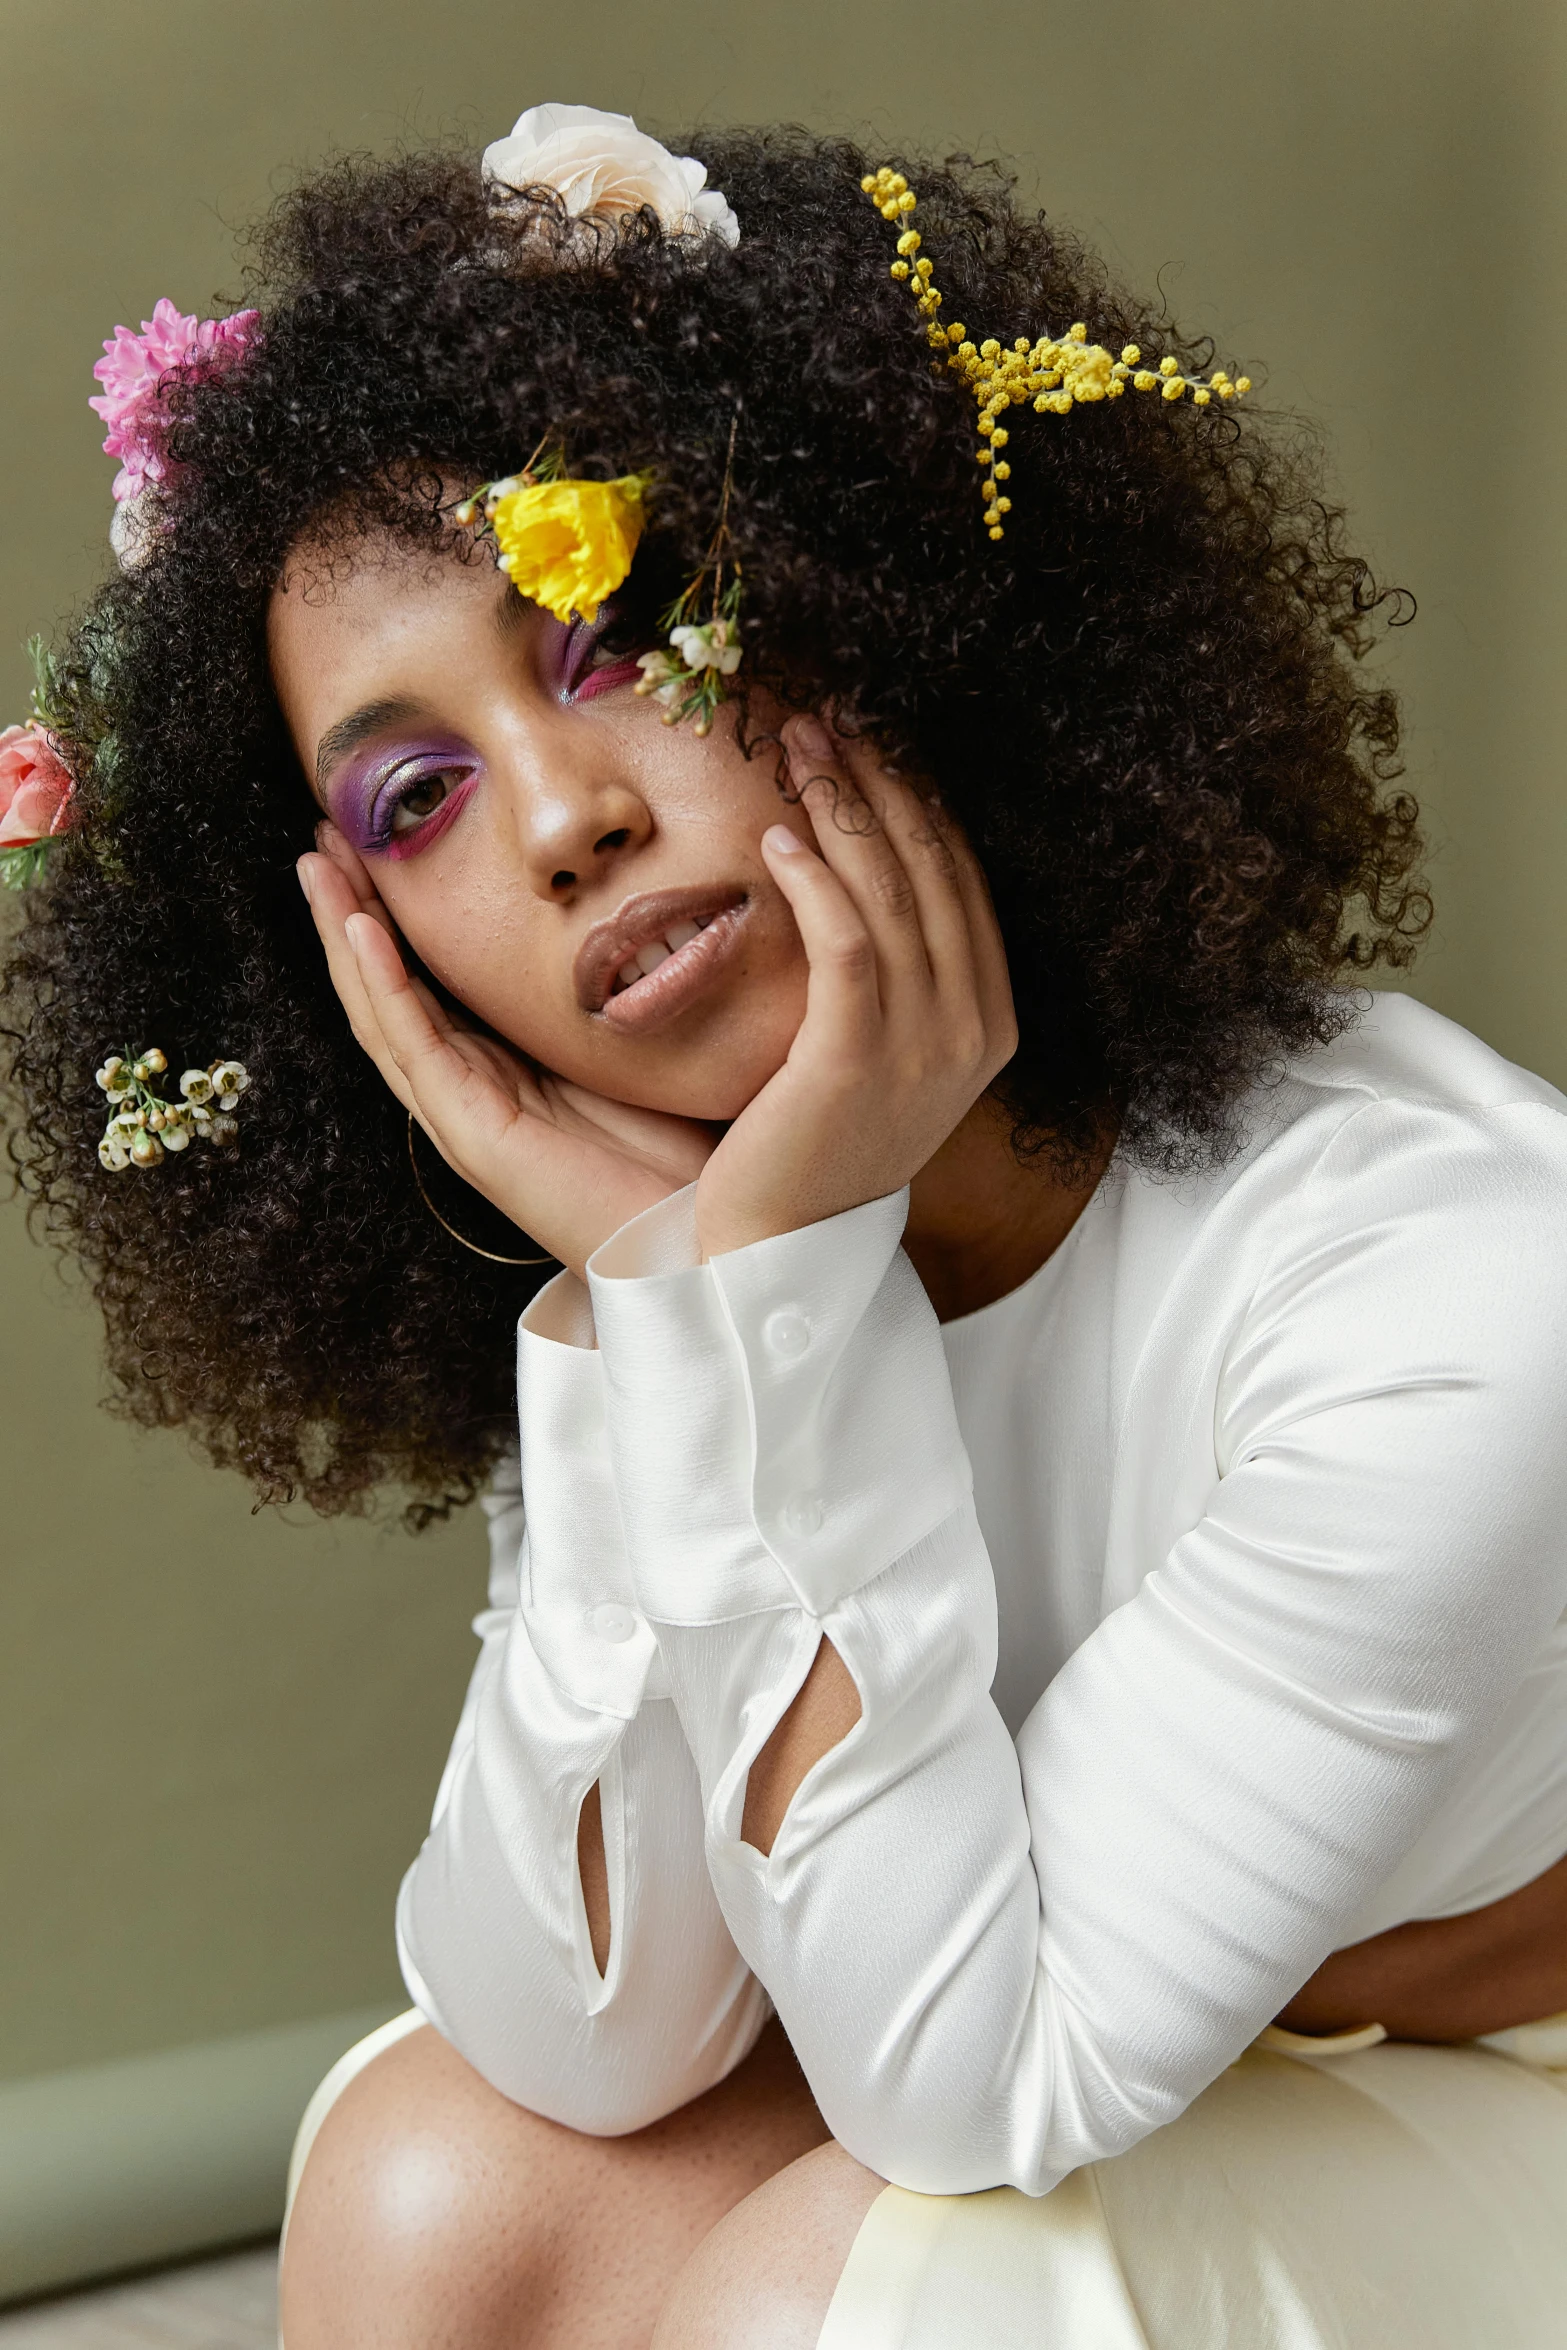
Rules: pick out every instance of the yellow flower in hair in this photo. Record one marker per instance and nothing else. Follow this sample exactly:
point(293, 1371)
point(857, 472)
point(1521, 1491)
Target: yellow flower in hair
point(568, 544)
point(1057, 373)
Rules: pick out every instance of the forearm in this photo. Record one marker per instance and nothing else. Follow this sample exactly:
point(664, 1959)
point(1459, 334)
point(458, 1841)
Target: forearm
point(1448, 1978)
point(825, 1711)
point(1000, 1959)
point(593, 1870)
point(497, 1945)
point(560, 1926)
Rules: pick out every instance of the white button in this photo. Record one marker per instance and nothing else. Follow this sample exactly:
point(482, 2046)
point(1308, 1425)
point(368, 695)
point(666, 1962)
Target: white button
point(787, 1332)
point(803, 1515)
point(613, 1623)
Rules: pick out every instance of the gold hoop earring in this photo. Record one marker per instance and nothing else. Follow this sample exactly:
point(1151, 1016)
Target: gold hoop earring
point(451, 1228)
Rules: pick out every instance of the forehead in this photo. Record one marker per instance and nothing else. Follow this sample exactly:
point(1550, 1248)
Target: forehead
point(348, 619)
point(360, 586)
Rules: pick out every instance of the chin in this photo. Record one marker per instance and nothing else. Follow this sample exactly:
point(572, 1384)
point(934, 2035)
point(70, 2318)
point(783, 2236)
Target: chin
point(712, 1087)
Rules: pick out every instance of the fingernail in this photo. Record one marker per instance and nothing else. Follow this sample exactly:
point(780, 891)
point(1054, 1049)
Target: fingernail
point(810, 738)
point(782, 841)
point(306, 880)
point(352, 928)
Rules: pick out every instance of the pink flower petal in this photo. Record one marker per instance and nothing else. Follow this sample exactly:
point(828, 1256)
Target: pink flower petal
point(132, 370)
point(35, 787)
point(31, 816)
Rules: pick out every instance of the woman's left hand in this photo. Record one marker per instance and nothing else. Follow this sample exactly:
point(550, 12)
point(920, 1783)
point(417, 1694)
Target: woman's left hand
point(908, 1006)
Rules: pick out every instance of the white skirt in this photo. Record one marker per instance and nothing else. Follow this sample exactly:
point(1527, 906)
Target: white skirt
point(1388, 2197)
point(1321, 2195)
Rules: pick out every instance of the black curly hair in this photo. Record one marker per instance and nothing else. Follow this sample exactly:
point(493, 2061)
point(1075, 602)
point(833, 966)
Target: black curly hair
point(1143, 705)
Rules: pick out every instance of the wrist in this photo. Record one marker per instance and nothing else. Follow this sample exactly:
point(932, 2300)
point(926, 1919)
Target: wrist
point(721, 1228)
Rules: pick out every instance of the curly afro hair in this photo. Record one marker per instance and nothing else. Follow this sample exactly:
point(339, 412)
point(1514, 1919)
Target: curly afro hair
point(1144, 706)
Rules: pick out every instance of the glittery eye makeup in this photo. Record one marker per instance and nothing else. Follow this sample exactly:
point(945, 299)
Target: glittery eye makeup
point(396, 801)
point(572, 660)
point(393, 790)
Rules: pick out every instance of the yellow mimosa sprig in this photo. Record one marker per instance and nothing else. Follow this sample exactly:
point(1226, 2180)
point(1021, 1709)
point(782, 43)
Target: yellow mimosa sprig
point(1055, 372)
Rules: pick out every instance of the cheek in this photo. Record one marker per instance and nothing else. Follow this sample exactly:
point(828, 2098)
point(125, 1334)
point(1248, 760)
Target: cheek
point(485, 952)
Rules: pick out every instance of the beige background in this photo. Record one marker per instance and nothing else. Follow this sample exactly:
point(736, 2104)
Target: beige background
point(218, 1732)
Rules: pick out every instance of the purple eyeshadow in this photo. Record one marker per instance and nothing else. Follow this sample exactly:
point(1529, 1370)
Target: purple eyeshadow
point(364, 796)
point(364, 793)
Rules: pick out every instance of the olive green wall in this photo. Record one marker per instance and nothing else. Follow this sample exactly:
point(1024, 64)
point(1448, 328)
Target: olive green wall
point(219, 1732)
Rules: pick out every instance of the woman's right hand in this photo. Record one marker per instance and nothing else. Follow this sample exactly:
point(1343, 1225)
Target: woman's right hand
point(569, 1167)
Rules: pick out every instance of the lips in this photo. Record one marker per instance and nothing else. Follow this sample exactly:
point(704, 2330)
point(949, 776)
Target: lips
point(659, 928)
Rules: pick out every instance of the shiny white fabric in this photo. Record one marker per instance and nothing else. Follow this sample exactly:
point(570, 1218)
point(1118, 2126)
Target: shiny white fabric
point(1205, 1597)
point(1401, 2199)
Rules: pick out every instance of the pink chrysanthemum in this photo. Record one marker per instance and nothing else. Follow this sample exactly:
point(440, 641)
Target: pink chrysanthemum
point(132, 371)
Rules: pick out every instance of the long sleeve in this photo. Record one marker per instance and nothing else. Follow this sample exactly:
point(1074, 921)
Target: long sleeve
point(997, 1961)
point(567, 1694)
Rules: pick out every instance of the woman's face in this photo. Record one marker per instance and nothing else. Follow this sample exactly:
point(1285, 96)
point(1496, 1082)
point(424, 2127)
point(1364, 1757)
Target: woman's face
point(585, 879)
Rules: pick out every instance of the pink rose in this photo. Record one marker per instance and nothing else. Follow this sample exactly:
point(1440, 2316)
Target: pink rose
point(132, 371)
point(35, 788)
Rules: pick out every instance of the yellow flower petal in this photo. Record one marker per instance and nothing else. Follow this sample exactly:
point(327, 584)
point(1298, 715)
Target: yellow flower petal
point(568, 544)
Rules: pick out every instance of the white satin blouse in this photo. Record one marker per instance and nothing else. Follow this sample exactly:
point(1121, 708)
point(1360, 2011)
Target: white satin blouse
point(1205, 1597)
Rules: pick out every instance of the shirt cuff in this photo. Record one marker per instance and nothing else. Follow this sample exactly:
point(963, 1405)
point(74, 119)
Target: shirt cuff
point(576, 1592)
point(780, 1418)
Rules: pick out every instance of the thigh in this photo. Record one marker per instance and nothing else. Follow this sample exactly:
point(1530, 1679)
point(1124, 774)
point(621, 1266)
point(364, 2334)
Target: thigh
point(766, 2275)
point(433, 2211)
point(1402, 2198)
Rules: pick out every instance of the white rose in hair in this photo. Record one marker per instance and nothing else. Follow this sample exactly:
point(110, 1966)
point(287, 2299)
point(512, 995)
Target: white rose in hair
point(602, 163)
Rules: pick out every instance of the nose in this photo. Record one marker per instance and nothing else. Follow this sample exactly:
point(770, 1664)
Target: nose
point(574, 823)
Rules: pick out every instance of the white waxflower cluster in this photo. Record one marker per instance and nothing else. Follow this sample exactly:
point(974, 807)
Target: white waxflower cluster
point(708, 646)
point(143, 1126)
point(687, 682)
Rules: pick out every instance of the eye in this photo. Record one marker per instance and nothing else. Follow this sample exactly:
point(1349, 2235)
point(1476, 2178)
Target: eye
point(415, 802)
point(621, 631)
point(624, 627)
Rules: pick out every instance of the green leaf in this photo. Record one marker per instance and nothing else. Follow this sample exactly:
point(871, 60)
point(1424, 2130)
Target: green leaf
point(46, 682)
point(18, 867)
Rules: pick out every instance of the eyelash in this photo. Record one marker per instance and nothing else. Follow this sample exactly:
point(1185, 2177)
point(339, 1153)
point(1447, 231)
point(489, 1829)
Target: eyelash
point(585, 652)
point(613, 641)
point(395, 795)
point(580, 654)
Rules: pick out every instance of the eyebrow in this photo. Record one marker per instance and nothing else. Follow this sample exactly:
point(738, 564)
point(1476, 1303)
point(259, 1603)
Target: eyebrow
point(350, 732)
point(511, 611)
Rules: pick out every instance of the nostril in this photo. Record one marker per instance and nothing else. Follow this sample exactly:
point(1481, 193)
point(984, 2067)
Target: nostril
point(614, 840)
point(563, 879)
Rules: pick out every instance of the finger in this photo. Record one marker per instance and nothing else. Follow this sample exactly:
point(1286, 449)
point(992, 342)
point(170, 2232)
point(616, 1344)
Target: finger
point(992, 973)
point(471, 1116)
point(344, 858)
point(329, 869)
point(963, 937)
point(460, 1106)
point(332, 904)
point(925, 840)
point(843, 997)
point(855, 844)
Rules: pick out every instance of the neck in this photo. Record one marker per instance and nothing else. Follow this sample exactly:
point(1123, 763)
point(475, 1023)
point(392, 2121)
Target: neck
point(980, 1222)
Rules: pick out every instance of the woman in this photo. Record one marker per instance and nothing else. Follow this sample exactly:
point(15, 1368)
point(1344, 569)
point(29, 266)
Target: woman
point(1041, 1463)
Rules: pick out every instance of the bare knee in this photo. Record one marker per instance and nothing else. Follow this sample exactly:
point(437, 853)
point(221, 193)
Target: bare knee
point(408, 2226)
point(433, 2212)
point(764, 2277)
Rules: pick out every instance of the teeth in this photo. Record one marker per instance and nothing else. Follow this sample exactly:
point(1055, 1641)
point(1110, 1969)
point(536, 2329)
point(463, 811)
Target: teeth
point(659, 950)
